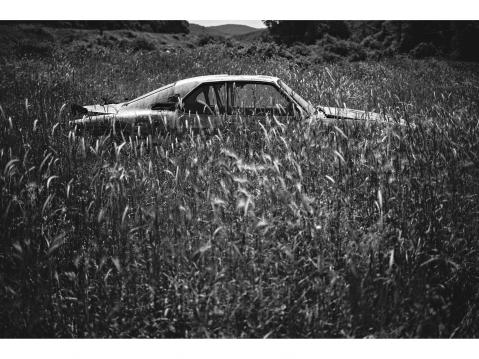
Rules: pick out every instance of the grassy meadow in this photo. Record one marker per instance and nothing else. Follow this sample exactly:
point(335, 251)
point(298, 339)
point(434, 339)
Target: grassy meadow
point(263, 230)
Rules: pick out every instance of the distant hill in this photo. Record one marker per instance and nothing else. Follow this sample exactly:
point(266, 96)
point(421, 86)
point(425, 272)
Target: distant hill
point(228, 30)
point(199, 30)
point(233, 29)
point(252, 36)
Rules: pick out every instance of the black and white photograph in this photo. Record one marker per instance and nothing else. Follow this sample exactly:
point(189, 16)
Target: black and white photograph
point(302, 178)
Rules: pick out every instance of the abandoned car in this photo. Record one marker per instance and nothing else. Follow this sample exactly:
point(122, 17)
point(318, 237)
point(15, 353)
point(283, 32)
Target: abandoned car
point(203, 102)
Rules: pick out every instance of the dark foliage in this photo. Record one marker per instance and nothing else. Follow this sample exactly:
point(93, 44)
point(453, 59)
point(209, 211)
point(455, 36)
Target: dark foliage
point(205, 39)
point(454, 39)
point(290, 31)
point(157, 26)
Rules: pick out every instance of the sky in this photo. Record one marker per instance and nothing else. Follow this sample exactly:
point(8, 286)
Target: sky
point(252, 23)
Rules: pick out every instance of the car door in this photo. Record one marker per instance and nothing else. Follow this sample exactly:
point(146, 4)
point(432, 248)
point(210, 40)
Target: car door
point(205, 107)
point(253, 101)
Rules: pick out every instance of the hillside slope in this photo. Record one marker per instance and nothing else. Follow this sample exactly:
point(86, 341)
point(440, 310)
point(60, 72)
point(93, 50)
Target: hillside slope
point(39, 40)
point(252, 36)
point(199, 30)
point(232, 29)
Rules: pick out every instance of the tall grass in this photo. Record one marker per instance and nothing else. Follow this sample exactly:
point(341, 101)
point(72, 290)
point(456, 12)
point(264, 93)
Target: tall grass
point(266, 229)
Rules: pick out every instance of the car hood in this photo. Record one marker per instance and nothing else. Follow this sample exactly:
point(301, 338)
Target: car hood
point(351, 114)
point(92, 110)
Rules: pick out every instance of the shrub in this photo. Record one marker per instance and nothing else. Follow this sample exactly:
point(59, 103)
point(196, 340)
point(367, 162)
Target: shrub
point(372, 43)
point(341, 49)
point(424, 50)
point(35, 48)
point(205, 39)
point(142, 44)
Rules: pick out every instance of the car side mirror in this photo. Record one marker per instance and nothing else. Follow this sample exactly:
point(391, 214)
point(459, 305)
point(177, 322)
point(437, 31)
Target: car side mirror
point(172, 103)
point(178, 101)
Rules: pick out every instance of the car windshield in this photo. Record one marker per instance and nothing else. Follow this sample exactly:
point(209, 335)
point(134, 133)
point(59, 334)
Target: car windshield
point(149, 94)
point(302, 102)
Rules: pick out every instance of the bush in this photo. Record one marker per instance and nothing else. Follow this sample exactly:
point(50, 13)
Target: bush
point(142, 44)
point(344, 49)
point(205, 39)
point(372, 43)
point(424, 50)
point(300, 49)
point(35, 48)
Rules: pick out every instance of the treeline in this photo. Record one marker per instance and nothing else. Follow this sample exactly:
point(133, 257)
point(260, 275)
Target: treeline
point(157, 26)
point(453, 39)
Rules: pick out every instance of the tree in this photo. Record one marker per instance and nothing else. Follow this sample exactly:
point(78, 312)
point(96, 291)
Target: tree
point(306, 31)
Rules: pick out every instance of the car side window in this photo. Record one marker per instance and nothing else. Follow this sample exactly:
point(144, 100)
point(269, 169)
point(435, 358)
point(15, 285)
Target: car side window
point(217, 97)
point(208, 99)
point(256, 99)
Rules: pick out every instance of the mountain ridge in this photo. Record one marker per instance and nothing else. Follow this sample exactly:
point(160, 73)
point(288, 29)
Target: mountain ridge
point(233, 29)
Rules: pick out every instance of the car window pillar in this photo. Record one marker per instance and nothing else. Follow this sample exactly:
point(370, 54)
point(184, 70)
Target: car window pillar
point(230, 97)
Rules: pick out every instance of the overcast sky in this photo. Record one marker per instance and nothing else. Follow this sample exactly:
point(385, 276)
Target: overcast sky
point(252, 23)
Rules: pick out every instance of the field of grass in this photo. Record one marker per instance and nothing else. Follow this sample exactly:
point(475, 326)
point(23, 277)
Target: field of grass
point(264, 230)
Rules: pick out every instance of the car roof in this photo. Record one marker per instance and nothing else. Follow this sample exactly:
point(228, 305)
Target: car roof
point(225, 77)
point(182, 87)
